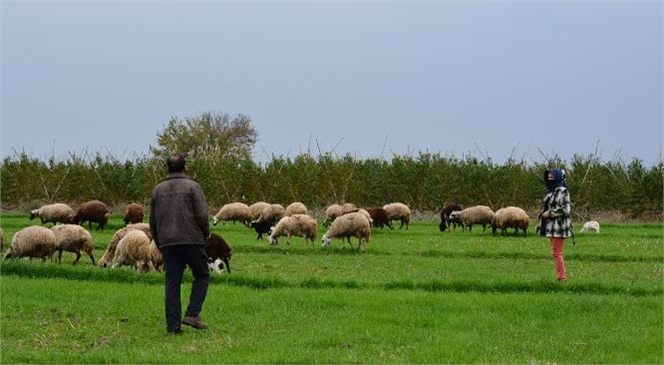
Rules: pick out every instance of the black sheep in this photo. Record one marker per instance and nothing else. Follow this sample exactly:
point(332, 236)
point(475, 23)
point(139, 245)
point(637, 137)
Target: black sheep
point(445, 220)
point(92, 211)
point(262, 227)
point(217, 248)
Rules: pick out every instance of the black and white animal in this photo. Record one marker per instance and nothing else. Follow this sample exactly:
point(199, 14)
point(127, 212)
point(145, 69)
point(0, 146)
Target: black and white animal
point(445, 220)
point(218, 251)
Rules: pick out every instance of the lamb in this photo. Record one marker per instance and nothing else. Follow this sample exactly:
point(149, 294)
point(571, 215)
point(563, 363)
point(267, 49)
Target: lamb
point(134, 213)
point(349, 225)
point(73, 238)
point(107, 258)
point(301, 225)
point(217, 249)
point(233, 212)
point(54, 213)
point(257, 209)
point(32, 241)
point(331, 213)
point(398, 211)
point(262, 227)
point(478, 214)
point(445, 220)
point(380, 218)
point(273, 213)
point(136, 249)
point(590, 226)
point(510, 217)
point(92, 211)
point(296, 208)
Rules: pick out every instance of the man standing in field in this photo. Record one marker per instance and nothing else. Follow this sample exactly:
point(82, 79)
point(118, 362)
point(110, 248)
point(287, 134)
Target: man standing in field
point(179, 225)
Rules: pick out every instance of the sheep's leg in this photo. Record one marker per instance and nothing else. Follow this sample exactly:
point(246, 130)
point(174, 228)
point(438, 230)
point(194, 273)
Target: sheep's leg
point(59, 256)
point(92, 258)
point(78, 256)
point(228, 264)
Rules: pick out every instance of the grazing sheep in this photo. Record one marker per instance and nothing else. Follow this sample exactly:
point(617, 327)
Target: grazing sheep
point(73, 238)
point(331, 213)
point(217, 249)
point(54, 213)
point(107, 258)
point(380, 218)
point(134, 249)
point(262, 227)
point(478, 214)
point(301, 225)
point(349, 208)
point(134, 213)
point(257, 209)
point(347, 226)
point(398, 211)
point(296, 208)
point(362, 211)
point(510, 217)
point(92, 211)
point(273, 213)
point(32, 241)
point(233, 212)
point(445, 220)
point(590, 226)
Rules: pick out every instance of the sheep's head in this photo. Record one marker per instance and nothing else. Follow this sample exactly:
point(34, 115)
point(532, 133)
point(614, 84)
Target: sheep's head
point(33, 213)
point(455, 214)
point(215, 221)
point(325, 241)
point(271, 240)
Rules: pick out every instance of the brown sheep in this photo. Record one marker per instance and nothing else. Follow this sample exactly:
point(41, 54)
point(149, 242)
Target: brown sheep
point(380, 217)
point(92, 211)
point(134, 213)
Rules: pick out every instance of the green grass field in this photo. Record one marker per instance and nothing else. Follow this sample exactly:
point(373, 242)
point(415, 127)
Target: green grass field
point(415, 296)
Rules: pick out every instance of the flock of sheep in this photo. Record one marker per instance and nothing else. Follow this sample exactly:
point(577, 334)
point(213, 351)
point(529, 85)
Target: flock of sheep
point(133, 245)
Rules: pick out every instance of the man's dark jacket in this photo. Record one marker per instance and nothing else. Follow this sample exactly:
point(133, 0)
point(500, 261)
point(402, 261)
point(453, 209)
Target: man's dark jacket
point(178, 212)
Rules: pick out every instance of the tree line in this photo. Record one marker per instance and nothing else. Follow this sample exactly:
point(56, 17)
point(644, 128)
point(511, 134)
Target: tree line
point(425, 181)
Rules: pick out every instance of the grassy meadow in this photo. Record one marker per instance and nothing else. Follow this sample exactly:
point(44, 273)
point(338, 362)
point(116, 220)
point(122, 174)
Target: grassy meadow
point(414, 296)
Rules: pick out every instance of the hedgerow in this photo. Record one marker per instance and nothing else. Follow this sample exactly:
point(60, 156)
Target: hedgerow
point(425, 181)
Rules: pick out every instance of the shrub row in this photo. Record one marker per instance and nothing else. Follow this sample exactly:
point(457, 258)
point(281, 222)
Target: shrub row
point(425, 182)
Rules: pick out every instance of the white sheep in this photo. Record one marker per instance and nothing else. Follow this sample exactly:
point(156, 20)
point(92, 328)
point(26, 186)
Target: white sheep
point(347, 226)
point(233, 212)
point(478, 214)
point(137, 250)
point(301, 225)
point(107, 258)
point(398, 211)
point(54, 213)
point(272, 213)
point(296, 208)
point(331, 213)
point(590, 226)
point(32, 241)
point(257, 209)
point(73, 238)
point(510, 217)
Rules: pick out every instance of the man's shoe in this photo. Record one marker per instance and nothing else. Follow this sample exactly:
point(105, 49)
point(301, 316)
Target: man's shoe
point(177, 331)
point(195, 322)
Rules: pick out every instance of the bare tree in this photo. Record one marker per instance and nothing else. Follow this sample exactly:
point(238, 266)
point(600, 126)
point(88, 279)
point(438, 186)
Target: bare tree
point(207, 133)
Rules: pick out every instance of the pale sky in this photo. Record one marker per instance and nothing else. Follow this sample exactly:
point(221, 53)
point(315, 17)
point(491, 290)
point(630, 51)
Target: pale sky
point(526, 79)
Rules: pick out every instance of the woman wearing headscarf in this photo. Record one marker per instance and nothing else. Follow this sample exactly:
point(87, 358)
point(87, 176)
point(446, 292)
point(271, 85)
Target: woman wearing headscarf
point(555, 219)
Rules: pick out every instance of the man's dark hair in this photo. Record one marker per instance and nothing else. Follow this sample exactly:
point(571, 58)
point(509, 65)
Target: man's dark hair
point(176, 163)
